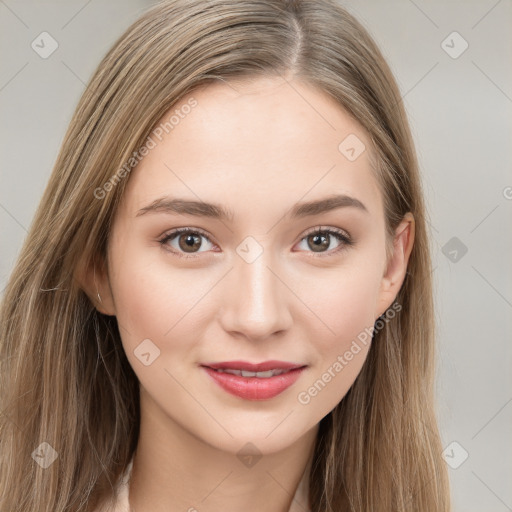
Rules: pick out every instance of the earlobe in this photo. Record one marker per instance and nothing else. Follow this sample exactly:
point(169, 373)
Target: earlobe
point(396, 267)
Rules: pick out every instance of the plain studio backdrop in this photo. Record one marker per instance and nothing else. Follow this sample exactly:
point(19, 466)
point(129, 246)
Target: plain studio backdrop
point(452, 62)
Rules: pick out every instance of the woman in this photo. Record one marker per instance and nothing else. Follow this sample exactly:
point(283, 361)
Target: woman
point(224, 301)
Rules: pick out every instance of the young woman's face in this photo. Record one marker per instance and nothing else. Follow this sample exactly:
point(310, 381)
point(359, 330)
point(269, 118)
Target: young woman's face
point(256, 284)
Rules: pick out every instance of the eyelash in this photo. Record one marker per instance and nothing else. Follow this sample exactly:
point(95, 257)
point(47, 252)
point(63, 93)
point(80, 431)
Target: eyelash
point(340, 235)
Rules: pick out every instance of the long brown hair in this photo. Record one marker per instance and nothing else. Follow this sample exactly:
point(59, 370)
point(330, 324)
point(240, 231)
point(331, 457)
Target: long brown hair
point(66, 384)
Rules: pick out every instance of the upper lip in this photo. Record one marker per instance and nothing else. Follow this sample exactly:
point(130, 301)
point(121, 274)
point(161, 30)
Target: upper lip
point(254, 367)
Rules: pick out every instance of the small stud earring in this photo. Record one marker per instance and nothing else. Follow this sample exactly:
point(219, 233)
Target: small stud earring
point(99, 298)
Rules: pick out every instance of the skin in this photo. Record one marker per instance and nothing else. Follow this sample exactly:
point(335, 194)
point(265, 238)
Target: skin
point(256, 148)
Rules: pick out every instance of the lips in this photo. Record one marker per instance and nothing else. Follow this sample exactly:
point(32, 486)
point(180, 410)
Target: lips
point(253, 367)
point(254, 381)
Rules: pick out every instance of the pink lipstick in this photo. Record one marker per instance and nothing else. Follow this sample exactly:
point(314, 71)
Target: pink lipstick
point(254, 381)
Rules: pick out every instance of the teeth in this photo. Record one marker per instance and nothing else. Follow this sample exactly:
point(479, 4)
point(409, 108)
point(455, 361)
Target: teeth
point(265, 375)
point(260, 375)
point(233, 372)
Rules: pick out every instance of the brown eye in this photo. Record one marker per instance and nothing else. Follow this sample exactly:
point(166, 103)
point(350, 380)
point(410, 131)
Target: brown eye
point(189, 241)
point(320, 241)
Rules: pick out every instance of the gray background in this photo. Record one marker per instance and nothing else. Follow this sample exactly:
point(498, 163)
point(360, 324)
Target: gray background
point(460, 110)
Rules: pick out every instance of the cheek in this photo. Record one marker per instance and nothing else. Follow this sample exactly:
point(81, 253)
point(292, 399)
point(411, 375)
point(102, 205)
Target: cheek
point(156, 309)
point(346, 306)
point(152, 300)
point(347, 309)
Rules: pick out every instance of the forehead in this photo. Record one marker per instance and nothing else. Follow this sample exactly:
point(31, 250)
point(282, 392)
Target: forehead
point(265, 143)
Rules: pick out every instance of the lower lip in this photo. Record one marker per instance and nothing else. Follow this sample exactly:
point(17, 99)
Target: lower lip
point(254, 388)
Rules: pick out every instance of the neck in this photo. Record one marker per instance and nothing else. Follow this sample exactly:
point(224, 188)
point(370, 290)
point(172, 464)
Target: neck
point(173, 470)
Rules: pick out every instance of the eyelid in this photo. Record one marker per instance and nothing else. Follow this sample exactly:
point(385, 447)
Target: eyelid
point(326, 229)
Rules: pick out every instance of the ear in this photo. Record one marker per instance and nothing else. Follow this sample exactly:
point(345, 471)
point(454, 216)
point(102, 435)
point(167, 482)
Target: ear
point(396, 267)
point(94, 280)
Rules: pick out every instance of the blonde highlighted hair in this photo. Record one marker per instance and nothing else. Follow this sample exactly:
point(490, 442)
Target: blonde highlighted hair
point(65, 379)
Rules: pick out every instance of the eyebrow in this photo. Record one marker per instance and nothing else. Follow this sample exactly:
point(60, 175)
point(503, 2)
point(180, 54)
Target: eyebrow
point(170, 205)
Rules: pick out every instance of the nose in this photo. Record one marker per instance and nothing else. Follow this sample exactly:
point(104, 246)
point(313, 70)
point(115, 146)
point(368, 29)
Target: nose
point(255, 300)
